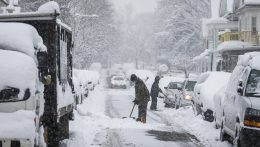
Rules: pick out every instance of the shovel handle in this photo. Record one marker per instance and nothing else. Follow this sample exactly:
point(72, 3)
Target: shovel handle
point(132, 110)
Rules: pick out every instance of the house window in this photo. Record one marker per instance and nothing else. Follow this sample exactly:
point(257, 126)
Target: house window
point(253, 27)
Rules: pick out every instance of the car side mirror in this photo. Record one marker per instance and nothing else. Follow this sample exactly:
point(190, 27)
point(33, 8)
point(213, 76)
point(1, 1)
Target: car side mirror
point(239, 90)
point(165, 88)
point(240, 83)
point(179, 88)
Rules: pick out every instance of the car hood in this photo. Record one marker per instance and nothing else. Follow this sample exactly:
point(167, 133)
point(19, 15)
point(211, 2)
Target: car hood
point(255, 102)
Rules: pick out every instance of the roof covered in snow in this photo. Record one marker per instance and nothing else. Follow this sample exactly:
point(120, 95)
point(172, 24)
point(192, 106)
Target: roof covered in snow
point(49, 7)
point(202, 55)
point(20, 37)
point(233, 45)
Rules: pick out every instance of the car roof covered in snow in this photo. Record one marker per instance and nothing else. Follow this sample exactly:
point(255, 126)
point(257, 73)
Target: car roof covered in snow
point(250, 59)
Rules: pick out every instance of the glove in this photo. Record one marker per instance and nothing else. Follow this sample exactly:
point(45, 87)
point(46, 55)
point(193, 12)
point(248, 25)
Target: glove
point(135, 102)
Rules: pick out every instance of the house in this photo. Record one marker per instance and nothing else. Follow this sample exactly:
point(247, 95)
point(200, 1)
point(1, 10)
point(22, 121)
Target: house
point(233, 33)
point(214, 28)
point(246, 13)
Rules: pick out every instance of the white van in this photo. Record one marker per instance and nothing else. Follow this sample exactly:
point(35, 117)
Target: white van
point(241, 106)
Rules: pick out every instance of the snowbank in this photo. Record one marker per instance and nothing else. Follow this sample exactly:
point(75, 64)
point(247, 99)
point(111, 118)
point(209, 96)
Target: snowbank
point(19, 124)
point(49, 7)
point(17, 70)
point(211, 86)
point(20, 37)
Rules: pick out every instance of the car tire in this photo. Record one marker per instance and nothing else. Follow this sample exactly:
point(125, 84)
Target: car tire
point(223, 135)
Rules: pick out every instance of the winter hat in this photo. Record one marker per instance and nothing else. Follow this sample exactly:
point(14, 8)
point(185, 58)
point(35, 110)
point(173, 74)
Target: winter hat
point(133, 78)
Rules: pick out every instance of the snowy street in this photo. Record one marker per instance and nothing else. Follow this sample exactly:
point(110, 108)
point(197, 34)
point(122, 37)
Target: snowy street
point(99, 122)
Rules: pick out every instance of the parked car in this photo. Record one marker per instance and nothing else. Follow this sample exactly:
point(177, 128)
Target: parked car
point(89, 86)
point(196, 99)
point(218, 106)
point(79, 91)
point(172, 91)
point(185, 98)
point(118, 82)
point(214, 82)
point(241, 107)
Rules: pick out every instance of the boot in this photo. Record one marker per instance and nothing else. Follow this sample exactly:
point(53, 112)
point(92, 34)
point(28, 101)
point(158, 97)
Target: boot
point(143, 120)
point(138, 119)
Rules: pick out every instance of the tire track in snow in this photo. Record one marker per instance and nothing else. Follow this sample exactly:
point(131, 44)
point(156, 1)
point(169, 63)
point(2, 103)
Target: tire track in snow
point(163, 119)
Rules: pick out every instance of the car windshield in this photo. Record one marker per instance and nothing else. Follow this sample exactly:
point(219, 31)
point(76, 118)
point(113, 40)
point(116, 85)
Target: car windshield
point(253, 84)
point(118, 78)
point(175, 85)
point(190, 85)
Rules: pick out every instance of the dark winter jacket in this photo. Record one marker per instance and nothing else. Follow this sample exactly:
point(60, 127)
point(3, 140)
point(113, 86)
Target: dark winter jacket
point(141, 92)
point(155, 89)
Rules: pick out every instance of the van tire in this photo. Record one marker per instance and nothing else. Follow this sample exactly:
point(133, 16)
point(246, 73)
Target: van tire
point(64, 127)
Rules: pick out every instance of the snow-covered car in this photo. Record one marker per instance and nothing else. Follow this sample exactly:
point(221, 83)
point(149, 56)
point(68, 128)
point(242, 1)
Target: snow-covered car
point(186, 96)
point(214, 82)
point(218, 106)
point(88, 79)
point(118, 82)
point(172, 91)
point(241, 107)
point(196, 99)
point(79, 91)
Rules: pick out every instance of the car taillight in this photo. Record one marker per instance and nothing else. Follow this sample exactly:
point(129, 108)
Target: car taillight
point(252, 118)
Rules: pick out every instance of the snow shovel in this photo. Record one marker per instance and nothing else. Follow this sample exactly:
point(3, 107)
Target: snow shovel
point(131, 113)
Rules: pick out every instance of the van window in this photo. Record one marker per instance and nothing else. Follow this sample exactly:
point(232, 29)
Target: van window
point(253, 84)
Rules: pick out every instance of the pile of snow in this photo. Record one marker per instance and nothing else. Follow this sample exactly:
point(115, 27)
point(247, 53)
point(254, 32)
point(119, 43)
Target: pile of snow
point(195, 125)
point(211, 86)
point(19, 124)
point(20, 37)
point(49, 7)
point(17, 70)
point(232, 45)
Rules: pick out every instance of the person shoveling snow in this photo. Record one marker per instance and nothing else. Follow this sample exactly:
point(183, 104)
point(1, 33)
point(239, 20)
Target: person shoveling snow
point(155, 93)
point(142, 97)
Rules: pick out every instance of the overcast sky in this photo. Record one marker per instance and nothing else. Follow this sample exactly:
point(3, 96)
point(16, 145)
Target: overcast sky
point(139, 6)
